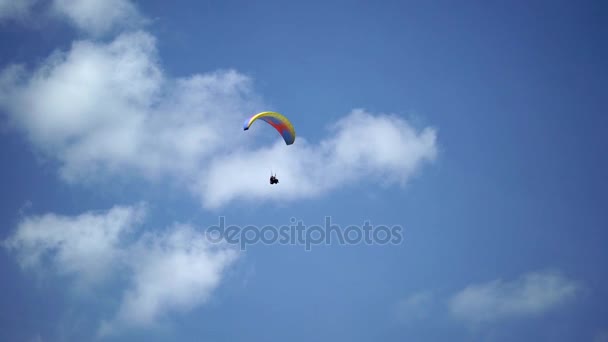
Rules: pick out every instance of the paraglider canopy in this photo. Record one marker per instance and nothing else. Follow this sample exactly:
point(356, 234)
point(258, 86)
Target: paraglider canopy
point(276, 120)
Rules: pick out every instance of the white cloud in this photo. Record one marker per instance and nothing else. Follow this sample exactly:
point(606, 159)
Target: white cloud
point(15, 9)
point(93, 17)
point(105, 109)
point(415, 307)
point(361, 146)
point(172, 271)
point(108, 108)
point(99, 17)
point(86, 245)
point(532, 294)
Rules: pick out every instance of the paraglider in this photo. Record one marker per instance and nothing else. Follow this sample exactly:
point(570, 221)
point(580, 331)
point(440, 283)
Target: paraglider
point(281, 124)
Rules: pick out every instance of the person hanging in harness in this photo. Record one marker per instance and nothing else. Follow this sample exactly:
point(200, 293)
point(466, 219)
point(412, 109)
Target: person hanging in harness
point(274, 179)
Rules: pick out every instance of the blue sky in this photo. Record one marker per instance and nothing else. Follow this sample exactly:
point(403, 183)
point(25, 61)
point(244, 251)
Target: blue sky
point(477, 127)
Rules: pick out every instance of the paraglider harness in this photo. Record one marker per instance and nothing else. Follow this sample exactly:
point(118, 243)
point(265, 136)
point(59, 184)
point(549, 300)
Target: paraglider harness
point(274, 179)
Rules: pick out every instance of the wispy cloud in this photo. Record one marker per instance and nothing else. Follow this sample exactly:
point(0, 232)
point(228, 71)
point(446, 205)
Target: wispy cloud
point(92, 17)
point(176, 270)
point(415, 307)
point(99, 17)
point(532, 294)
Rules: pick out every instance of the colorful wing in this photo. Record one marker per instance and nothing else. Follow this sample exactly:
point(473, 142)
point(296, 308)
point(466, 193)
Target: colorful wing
point(276, 120)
